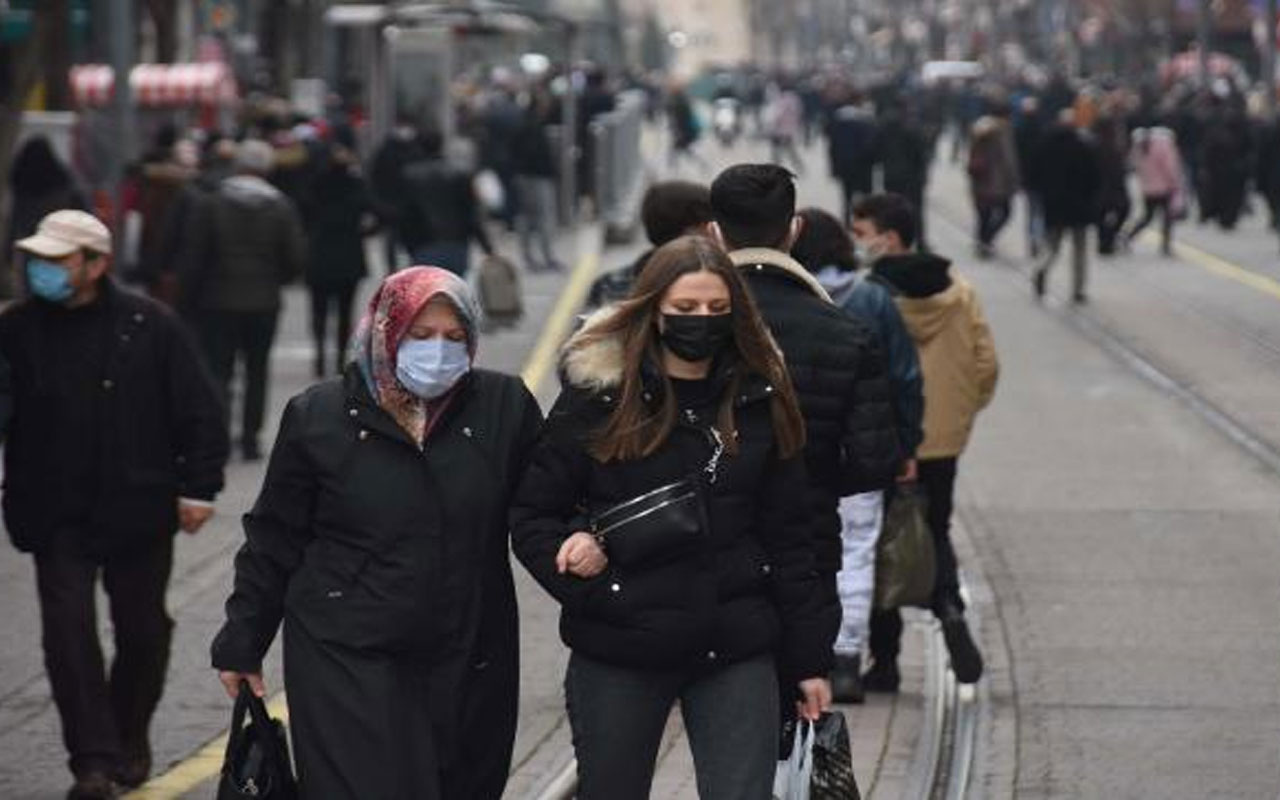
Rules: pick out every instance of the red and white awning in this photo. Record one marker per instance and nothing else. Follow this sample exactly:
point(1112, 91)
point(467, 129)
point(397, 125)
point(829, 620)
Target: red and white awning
point(157, 84)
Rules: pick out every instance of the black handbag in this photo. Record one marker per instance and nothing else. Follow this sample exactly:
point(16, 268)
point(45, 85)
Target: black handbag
point(659, 525)
point(257, 763)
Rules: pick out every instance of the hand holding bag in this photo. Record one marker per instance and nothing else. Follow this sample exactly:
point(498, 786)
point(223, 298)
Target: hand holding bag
point(821, 763)
point(906, 565)
point(257, 763)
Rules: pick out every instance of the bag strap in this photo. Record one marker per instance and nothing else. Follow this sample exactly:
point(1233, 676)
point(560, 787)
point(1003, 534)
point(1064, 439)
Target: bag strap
point(238, 712)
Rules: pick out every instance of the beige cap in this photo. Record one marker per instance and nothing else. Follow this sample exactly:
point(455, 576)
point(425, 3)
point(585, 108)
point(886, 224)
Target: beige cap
point(64, 232)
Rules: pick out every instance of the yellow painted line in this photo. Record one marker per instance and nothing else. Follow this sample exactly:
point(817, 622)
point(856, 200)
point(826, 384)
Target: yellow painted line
point(558, 324)
point(191, 772)
point(1223, 268)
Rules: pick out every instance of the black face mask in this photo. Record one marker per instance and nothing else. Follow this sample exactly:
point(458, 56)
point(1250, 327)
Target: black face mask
point(696, 337)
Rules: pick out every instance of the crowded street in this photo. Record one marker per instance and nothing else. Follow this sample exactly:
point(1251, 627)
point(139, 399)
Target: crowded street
point(517, 411)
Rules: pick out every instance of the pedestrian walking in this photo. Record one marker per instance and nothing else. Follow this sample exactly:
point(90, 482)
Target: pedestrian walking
point(249, 245)
point(439, 214)
point(1069, 182)
point(39, 184)
point(669, 210)
point(685, 129)
point(535, 169)
point(380, 540)
point(163, 182)
point(1027, 134)
point(993, 178)
point(339, 214)
point(960, 368)
point(851, 147)
point(784, 125)
point(1226, 162)
point(1158, 165)
point(679, 383)
point(826, 249)
point(835, 360)
point(1114, 206)
point(400, 148)
point(115, 441)
point(905, 152)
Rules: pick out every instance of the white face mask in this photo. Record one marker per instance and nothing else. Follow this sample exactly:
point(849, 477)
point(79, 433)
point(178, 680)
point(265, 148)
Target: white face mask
point(430, 367)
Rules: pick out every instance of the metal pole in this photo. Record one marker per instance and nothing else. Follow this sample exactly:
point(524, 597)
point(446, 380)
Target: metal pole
point(1269, 58)
point(123, 56)
point(1204, 37)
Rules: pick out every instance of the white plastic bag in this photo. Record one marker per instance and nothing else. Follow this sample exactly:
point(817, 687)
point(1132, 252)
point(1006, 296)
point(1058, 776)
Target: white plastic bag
point(489, 189)
point(792, 780)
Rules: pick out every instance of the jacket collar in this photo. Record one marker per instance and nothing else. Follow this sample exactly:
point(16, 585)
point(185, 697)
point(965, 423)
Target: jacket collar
point(365, 411)
point(776, 261)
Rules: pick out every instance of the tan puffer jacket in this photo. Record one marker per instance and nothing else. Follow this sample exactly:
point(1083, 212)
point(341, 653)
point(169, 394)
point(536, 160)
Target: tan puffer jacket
point(958, 359)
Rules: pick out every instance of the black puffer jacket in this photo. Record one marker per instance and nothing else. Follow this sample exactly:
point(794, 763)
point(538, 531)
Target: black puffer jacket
point(841, 375)
point(152, 424)
point(752, 590)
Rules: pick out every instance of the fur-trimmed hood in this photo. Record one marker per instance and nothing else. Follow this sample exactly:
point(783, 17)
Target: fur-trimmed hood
point(592, 365)
point(761, 258)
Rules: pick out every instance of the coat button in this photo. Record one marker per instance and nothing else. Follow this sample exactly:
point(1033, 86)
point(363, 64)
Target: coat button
point(364, 435)
point(466, 432)
point(138, 317)
point(768, 390)
point(766, 569)
point(607, 398)
point(108, 384)
point(615, 588)
point(353, 412)
point(711, 656)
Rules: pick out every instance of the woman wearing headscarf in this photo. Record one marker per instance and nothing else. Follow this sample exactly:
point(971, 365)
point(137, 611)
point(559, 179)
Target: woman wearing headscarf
point(380, 539)
point(660, 509)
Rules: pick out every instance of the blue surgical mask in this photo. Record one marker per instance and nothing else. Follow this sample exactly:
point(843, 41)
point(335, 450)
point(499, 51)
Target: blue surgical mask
point(49, 281)
point(430, 367)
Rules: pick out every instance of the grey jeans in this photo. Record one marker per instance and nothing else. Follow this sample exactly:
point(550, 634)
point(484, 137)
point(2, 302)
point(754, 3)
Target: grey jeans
point(731, 719)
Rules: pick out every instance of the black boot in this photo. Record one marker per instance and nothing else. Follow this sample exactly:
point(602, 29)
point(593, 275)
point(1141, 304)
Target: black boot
point(846, 680)
point(883, 677)
point(93, 786)
point(966, 660)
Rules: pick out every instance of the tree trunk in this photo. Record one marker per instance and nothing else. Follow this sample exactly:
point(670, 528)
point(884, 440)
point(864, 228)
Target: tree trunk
point(57, 54)
point(164, 15)
point(24, 71)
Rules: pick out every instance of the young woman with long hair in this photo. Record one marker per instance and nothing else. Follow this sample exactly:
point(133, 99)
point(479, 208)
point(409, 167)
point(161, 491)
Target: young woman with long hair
point(678, 392)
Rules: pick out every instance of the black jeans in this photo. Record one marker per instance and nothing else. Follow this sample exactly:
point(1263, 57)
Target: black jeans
point(248, 335)
point(992, 217)
point(618, 716)
point(1162, 205)
point(937, 479)
point(105, 717)
point(322, 299)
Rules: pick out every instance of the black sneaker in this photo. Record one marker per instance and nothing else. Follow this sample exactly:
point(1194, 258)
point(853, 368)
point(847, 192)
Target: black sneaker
point(1038, 280)
point(134, 770)
point(882, 678)
point(966, 661)
point(846, 680)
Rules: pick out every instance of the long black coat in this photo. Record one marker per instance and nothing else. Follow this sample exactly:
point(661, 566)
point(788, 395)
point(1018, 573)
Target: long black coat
point(1068, 177)
point(753, 589)
point(389, 565)
point(841, 374)
point(335, 212)
point(161, 432)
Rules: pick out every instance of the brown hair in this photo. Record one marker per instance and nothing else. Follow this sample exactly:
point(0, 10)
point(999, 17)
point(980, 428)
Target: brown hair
point(633, 431)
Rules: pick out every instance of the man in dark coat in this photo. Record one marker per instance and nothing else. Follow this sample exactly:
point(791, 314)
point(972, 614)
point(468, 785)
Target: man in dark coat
point(248, 246)
point(116, 440)
point(851, 148)
point(1069, 179)
point(670, 209)
point(386, 178)
point(836, 361)
point(905, 150)
point(439, 212)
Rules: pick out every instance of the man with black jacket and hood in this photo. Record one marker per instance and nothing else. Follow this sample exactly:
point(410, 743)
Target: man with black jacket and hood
point(958, 360)
point(836, 362)
point(116, 440)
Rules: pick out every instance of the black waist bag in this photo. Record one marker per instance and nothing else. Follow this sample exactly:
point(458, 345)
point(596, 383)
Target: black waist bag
point(654, 527)
point(257, 763)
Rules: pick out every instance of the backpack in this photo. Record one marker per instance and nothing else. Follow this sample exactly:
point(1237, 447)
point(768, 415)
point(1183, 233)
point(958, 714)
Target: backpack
point(498, 287)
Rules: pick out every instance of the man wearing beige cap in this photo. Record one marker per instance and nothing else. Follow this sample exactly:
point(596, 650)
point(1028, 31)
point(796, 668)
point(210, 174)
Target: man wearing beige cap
point(116, 440)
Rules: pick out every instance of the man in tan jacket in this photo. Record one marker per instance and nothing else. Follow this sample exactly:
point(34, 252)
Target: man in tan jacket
point(958, 361)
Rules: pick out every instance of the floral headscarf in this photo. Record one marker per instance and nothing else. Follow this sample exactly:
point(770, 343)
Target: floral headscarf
point(391, 313)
